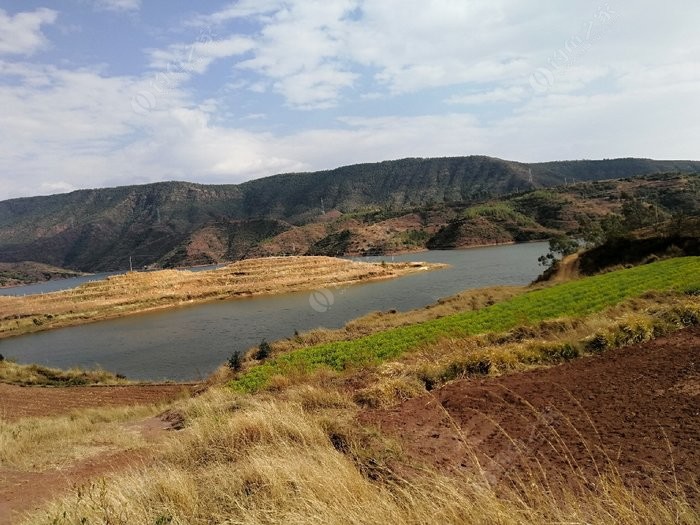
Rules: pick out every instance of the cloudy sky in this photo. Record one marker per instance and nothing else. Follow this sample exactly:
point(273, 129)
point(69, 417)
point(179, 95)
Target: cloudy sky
point(109, 92)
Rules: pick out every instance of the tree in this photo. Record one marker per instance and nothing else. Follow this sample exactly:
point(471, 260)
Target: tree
point(613, 227)
point(637, 214)
point(559, 246)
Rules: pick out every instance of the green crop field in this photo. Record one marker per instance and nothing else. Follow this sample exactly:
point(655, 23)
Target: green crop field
point(572, 299)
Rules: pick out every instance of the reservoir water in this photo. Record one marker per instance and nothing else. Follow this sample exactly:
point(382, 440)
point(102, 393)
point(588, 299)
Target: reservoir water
point(188, 343)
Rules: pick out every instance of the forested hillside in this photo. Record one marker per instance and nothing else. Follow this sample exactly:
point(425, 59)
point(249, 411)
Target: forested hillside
point(175, 223)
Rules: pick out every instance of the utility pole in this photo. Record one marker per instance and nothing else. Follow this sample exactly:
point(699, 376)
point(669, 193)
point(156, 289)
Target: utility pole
point(131, 266)
point(323, 209)
point(656, 211)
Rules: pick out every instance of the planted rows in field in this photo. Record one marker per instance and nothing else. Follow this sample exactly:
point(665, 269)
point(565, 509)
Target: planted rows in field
point(572, 299)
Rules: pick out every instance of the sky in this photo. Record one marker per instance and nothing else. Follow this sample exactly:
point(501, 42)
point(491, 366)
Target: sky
point(97, 93)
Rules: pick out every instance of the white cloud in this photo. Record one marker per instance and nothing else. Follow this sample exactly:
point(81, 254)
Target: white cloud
point(237, 10)
point(197, 56)
point(511, 94)
point(300, 49)
point(310, 50)
point(118, 5)
point(21, 34)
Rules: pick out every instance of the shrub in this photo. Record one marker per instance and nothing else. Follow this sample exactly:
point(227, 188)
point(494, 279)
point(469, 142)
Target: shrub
point(389, 392)
point(560, 351)
point(470, 367)
point(597, 343)
point(692, 290)
point(682, 315)
point(235, 362)
point(264, 351)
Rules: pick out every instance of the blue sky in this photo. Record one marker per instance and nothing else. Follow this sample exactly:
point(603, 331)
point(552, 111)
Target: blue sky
point(109, 92)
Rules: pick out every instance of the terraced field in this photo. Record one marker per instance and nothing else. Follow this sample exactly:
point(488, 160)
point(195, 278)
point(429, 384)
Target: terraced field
point(132, 293)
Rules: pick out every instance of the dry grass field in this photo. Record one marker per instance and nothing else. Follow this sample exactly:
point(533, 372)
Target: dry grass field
point(136, 292)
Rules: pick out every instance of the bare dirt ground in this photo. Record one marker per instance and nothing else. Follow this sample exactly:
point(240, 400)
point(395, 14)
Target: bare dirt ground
point(636, 409)
point(17, 402)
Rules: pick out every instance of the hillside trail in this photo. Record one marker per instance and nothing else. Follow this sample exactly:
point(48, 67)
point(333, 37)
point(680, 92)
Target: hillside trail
point(568, 269)
point(635, 410)
point(24, 491)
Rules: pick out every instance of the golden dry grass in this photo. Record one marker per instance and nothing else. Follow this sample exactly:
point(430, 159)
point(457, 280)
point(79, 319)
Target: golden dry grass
point(34, 375)
point(134, 292)
point(41, 443)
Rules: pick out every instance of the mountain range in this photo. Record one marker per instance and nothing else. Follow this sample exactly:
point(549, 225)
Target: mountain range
point(365, 208)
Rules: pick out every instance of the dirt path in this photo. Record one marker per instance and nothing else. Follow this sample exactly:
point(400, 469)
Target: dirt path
point(637, 409)
point(17, 402)
point(567, 269)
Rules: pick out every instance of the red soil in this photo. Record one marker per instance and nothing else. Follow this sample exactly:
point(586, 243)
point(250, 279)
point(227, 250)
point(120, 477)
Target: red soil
point(17, 402)
point(636, 409)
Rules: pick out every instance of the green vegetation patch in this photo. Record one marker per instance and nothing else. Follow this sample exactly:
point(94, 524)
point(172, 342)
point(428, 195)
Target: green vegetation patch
point(572, 299)
point(499, 211)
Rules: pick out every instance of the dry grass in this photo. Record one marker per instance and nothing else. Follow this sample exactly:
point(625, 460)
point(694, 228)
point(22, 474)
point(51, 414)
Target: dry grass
point(269, 460)
point(40, 443)
point(35, 375)
point(132, 293)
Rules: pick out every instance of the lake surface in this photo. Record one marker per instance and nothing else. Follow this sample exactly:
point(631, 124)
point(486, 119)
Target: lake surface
point(188, 343)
